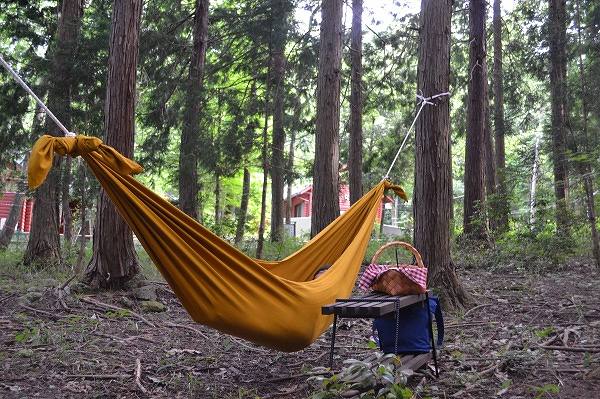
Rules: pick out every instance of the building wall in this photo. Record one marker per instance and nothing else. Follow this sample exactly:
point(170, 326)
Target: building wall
point(304, 199)
point(6, 202)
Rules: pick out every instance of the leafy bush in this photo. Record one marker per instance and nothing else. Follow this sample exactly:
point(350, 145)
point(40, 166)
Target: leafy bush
point(520, 249)
point(378, 376)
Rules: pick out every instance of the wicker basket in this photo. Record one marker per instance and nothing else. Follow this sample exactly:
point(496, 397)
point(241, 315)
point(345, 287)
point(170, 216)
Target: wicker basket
point(394, 281)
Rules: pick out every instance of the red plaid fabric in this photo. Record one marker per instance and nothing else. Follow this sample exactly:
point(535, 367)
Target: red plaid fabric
point(416, 274)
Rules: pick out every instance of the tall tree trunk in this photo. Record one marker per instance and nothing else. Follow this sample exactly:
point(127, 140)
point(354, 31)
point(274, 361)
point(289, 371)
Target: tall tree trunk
point(290, 177)
point(67, 217)
point(450, 186)
point(535, 171)
point(355, 145)
point(490, 163)
point(325, 204)
point(114, 260)
point(502, 210)
point(432, 197)
point(84, 226)
point(280, 13)
point(558, 60)
point(218, 201)
point(475, 142)
point(44, 242)
point(265, 164)
point(7, 232)
point(586, 167)
point(243, 212)
point(188, 151)
point(588, 183)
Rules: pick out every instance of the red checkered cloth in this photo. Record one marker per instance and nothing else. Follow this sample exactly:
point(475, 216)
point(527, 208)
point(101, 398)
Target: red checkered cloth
point(418, 275)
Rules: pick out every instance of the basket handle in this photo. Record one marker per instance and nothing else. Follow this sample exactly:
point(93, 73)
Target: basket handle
point(402, 244)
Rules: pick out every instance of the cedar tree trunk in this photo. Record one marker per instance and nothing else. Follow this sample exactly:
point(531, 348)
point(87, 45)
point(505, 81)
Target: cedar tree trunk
point(325, 204)
point(114, 259)
point(355, 144)
point(188, 151)
point(279, 31)
point(502, 210)
point(586, 166)
point(475, 142)
point(44, 243)
point(243, 212)
point(558, 62)
point(265, 164)
point(431, 204)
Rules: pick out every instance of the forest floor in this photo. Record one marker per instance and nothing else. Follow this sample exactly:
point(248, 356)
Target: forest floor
point(528, 336)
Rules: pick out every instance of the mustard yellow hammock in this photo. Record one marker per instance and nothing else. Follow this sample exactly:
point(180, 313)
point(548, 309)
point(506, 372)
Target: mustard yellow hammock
point(275, 304)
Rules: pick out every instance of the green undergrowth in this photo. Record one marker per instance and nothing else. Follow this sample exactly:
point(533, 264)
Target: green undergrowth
point(524, 250)
point(289, 245)
point(14, 275)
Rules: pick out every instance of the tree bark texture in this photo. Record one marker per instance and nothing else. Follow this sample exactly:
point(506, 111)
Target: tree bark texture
point(114, 259)
point(558, 61)
point(44, 242)
point(84, 226)
point(290, 176)
point(188, 151)
point(587, 167)
point(7, 232)
point(356, 104)
point(502, 210)
point(432, 198)
point(535, 171)
point(243, 212)
point(279, 31)
point(265, 163)
point(490, 162)
point(218, 212)
point(325, 205)
point(473, 225)
point(67, 217)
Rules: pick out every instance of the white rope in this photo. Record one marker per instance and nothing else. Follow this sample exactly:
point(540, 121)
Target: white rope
point(41, 104)
point(423, 101)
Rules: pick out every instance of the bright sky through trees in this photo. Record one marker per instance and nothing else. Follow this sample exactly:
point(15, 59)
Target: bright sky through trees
point(378, 14)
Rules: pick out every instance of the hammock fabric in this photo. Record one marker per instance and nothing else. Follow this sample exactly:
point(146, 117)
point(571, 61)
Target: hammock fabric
point(275, 304)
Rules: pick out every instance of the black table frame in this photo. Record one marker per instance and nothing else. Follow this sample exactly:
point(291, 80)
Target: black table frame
point(396, 300)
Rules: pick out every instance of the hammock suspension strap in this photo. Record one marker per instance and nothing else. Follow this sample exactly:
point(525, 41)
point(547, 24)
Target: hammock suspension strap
point(423, 101)
point(37, 99)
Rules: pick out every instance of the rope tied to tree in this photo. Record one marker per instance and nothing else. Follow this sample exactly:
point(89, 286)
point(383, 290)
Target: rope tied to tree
point(423, 101)
point(16, 76)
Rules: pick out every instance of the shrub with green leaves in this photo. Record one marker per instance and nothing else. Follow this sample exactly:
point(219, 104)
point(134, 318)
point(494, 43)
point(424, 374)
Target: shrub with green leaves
point(377, 376)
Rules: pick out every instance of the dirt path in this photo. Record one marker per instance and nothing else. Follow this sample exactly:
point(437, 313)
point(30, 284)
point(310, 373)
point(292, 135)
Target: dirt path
point(89, 350)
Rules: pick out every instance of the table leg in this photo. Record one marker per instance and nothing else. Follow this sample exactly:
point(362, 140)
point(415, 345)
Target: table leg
point(332, 341)
point(435, 363)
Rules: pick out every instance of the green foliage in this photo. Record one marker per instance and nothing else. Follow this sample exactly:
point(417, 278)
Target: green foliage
point(545, 390)
point(26, 334)
point(378, 376)
point(544, 332)
point(523, 249)
point(117, 314)
point(274, 250)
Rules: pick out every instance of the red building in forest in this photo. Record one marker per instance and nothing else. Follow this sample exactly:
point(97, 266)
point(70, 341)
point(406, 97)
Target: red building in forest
point(6, 202)
point(302, 207)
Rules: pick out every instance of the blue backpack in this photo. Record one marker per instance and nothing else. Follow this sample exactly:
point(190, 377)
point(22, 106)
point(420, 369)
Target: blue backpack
point(413, 329)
